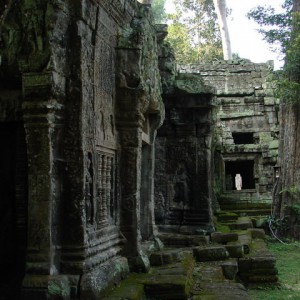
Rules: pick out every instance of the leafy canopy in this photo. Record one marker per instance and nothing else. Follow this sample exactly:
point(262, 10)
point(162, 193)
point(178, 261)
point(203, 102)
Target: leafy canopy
point(276, 27)
point(283, 29)
point(193, 30)
point(159, 12)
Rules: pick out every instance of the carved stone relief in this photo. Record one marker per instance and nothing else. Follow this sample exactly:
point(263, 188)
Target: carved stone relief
point(105, 189)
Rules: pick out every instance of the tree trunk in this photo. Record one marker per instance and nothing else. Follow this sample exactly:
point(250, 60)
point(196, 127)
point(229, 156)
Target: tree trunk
point(289, 150)
point(220, 7)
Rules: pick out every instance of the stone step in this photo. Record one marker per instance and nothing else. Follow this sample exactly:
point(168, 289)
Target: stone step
point(235, 250)
point(183, 240)
point(224, 216)
point(169, 256)
point(252, 212)
point(166, 287)
point(230, 269)
point(210, 253)
point(170, 282)
point(223, 238)
point(166, 282)
point(214, 281)
point(259, 266)
point(222, 291)
point(242, 223)
point(129, 289)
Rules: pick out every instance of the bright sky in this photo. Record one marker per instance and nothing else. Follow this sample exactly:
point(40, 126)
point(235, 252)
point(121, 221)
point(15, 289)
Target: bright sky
point(245, 40)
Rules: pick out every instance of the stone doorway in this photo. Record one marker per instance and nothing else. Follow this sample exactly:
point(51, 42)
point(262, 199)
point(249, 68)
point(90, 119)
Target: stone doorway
point(13, 208)
point(245, 168)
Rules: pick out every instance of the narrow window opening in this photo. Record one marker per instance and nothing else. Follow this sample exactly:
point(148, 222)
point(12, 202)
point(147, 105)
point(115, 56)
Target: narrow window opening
point(243, 138)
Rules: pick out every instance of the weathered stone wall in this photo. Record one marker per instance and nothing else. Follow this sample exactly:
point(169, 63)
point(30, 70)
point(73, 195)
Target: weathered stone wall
point(83, 78)
point(247, 105)
point(183, 172)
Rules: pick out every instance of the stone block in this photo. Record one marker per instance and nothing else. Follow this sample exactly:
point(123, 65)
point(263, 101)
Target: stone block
point(163, 257)
point(210, 253)
point(257, 233)
point(223, 238)
point(223, 290)
point(230, 269)
point(227, 217)
point(259, 222)
point(127, 290)
point(267, 262)
point(235, 250)
point(242, 225)
point(167, 287)
point(94, 283)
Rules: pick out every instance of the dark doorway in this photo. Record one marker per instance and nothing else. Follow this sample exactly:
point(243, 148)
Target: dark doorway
point(13, 208)
point(246, 170)
point(145, 192)
point(243, 138)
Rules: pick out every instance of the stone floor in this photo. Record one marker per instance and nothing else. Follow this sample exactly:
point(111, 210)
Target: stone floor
point(210, 267)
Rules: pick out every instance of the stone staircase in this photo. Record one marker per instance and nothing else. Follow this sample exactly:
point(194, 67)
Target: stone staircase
point(207, 267)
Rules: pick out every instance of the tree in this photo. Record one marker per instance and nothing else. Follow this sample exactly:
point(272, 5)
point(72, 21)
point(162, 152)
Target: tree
point(220, 7)
point(194, 25)
point(286, 32)
point(275, 27)
point(159, 12)
point(289, 202)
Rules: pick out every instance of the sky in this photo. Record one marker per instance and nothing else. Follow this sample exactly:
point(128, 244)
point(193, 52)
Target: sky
point(245, 39)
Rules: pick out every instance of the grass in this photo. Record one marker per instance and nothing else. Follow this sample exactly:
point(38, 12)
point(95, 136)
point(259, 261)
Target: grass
point(288, 265)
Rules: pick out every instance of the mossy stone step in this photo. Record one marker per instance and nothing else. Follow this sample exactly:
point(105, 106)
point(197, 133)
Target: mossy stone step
point(183, 240)
point(222, 291)
point(129, 289)
point(259, 266)
point(235, 250)
point(170, 282)
point(223, 238)
point(212, 253)
point(252, 212)
point(227, 216)
point(168, 256)
point(166, 287)
point(257, 233)
point(230, 269)
point(242, 223)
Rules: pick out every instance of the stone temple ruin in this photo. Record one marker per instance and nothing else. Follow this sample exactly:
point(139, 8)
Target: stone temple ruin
point(247, 129)
point(106, 144)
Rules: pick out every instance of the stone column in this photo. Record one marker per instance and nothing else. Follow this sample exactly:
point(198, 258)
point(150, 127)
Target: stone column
point(42, 119)
point(130, 171)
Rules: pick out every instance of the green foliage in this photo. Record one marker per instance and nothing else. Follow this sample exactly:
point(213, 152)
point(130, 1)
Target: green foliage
point(296, 208)
point(181, 42)
point(292, 190)
point(159, 12)
point(276, 224)
point(287, 91)
point(276, 27)
point(283, 29)
point(194, 32)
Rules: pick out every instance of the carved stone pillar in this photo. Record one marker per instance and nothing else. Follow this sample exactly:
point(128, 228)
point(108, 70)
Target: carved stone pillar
point(130, 158)
point(43, 126)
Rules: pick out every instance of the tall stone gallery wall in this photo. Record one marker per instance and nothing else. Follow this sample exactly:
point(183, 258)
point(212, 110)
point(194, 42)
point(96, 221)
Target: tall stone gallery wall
point(247, 129)
point(184, 161)
point(80, 104)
